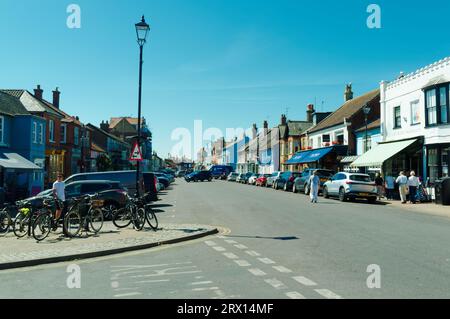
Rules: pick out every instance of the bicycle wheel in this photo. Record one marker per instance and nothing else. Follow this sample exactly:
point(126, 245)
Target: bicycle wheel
point(150, 216)
point(42, 226)
point(20, 225)
point(139, 219)
point(5, 222)
point(72, 223)
point(95, 220)
point(121, 218)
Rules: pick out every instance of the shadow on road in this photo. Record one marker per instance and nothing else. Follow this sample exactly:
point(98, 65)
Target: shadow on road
point(161, 205)
point(262, 237)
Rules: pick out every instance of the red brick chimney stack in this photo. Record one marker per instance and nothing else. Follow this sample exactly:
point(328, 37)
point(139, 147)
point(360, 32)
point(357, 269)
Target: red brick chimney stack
point(56, 95)
point(38, 92)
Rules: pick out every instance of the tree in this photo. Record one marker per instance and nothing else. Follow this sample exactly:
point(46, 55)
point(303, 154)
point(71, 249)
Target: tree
point(104, 163)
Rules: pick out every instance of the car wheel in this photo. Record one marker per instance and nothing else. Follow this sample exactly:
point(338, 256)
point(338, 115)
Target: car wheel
point(325, 192)
point(372, 200)
point(306, 188)
point(342, 196)
point(285, 187)
point(108, 210)
point(209, 179)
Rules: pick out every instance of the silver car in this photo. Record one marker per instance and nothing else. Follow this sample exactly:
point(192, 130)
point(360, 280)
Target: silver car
point(272, 178)
point(232, 177)
point(351, 186)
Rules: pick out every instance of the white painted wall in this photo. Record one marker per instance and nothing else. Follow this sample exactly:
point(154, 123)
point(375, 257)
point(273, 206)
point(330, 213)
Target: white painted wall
point(332, 131)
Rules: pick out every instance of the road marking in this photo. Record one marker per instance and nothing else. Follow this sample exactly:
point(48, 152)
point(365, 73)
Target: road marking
point(257, 272)
point(205, 289)
point(210, 243)
point(151, 281)
point(201, 283)
point(230, 241)
point(221, 237)
point(304, 281)
point(218, 248)
point(327, 294)
point(295, 295)
point(266, 261)
point(253, 253)
point(282, 269)
point(275, 283)
point(230, 255)
point(199, 277)
point(128, 294)
point(242, 263)
point(240, 246)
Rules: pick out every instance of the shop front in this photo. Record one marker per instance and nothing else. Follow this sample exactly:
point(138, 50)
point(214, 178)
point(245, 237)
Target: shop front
point(54, 163)
point(438, 157)
point(326, 158)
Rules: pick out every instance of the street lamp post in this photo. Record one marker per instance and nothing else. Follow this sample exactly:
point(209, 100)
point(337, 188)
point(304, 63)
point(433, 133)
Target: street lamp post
point(142, 29)
point(366, 111)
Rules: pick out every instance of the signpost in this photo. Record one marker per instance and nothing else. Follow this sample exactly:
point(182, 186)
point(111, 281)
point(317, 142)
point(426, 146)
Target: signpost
point(136, 154)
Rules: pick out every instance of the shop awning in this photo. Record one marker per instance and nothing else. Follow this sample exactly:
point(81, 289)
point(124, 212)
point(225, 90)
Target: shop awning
point(309, 156)
point(349, 159)
point(297, 158)
point(382, 152)
point(15, 161)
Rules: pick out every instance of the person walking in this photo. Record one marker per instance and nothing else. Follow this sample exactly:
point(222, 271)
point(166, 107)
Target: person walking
point(389, 186)
point(314, 185)
point(402, 182)
point(413, 184)
point(379, 182)
point(60, 195)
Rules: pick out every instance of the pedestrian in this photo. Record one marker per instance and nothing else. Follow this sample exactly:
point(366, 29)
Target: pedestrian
point(314, 184)
point(413, 183)
point(389, 185)
point(379, 182)
point(60, 195)
point(402, 182)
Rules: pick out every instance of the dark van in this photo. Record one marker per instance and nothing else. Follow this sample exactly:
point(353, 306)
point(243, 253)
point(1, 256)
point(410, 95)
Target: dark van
point(126, 178)
point(221, 171)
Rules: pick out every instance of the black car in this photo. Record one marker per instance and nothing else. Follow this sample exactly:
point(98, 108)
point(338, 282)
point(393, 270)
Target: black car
point(199, 176)
point(286, 180)
point(302, 184)
point(150, 181)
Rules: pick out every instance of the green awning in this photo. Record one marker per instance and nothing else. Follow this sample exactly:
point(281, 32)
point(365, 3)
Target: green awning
point(382, 152)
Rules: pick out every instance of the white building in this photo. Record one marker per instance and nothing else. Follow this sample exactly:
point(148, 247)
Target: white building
point(415, 127)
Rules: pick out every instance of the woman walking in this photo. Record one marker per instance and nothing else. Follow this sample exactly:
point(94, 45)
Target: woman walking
point(413, 183)
point(379, 182)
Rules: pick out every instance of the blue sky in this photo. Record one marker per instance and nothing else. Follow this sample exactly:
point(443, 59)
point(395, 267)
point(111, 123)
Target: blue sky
point(229, 63)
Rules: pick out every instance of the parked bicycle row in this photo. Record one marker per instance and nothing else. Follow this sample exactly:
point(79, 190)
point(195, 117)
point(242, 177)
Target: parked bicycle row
point(84, 214)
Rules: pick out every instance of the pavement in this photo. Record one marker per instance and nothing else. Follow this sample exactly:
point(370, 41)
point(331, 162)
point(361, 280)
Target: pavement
point(272, 244)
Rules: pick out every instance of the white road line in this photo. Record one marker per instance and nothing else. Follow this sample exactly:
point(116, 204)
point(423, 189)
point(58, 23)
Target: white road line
point(151, 281)
point(218, 248)
point(327, 294)
point(257, 272)
point(221, 237)
point(240, 246)
point(205, 289)
point(253, 253)
point(128, 294)
point(210, 243)
point(275, 283)
point(267, 261)
point(230, 255)
point(295, 295)
point(201, 283)
point(304, 281)
point(230, 241)
point(282, 269)
point(199, 277)
point(242, 263)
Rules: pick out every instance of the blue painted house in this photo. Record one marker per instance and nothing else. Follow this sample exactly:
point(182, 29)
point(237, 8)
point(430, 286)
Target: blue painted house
point(22, 149)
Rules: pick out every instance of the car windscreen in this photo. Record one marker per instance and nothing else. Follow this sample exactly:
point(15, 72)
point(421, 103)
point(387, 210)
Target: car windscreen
point(324, 173)
point(360, 178)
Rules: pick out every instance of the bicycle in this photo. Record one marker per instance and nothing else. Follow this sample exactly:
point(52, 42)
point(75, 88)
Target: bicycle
point(131, 213)
point(45, 221)
point(5, 219)
point(150, 215)
point(77, 219)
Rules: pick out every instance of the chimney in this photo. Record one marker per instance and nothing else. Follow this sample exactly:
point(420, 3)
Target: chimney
point(56, 95)
point(283, 119)
point(265, 125)
point(38, 92)
point(104, 126)
point(254, 131)
point(348, 94)
point(309, 113)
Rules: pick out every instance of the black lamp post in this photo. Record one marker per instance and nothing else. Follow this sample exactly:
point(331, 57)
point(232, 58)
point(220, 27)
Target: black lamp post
point(366, 111)
point(142, 29)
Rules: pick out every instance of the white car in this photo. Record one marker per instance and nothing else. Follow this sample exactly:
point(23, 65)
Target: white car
point(232, 177)
point(271, 179)
point(252, 179)
point(351, 186)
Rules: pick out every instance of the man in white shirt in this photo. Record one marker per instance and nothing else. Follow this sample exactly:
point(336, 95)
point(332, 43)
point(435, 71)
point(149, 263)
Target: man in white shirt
point(402, 182)
point(60, 194)
point(413, 184)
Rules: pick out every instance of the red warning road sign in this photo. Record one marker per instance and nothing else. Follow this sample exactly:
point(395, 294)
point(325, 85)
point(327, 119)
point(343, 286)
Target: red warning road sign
point(136, 154)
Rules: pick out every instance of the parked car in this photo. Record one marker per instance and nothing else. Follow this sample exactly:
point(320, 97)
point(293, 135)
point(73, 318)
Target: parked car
point(168, 171)
point(286, 180)
point(262, 179)
point(232, 177)
point(170, 177)
point(244, 179)
point(351, 186)
point(240, 178)
point(302, 184)
point(151, 186)
point(199, 176)
point(252, 179)
point(272, 178)
point(180, 173)
point(163, 179)
point(219, 171)
point(126, 178)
